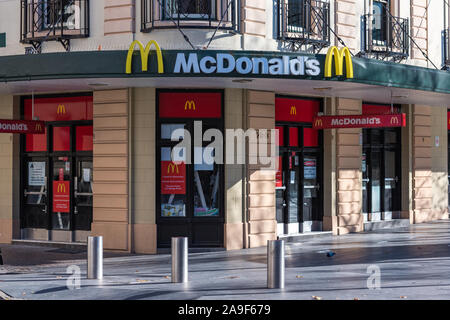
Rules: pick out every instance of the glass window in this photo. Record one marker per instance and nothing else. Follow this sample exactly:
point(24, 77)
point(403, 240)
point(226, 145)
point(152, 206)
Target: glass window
point(84, 138)
point(310, 137)
point(168, 129)
point(379, 22)
point(195, 9)
point(61, 139)
point(206, 184)
point(296, 19)
point(293, 137)
point(36, 142)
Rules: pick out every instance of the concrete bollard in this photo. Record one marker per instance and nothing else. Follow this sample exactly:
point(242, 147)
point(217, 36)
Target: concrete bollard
point(275, 264)
point(179, 259)
point(95, 258)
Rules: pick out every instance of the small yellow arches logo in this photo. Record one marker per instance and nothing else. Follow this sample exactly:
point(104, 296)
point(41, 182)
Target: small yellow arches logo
point(172, 168)
point(339, 56)
point(395, 121)
point(144, 55)
point(61, 109)
point(293, 111)
point(318, 123)
point(189, 105)
point(61, 188)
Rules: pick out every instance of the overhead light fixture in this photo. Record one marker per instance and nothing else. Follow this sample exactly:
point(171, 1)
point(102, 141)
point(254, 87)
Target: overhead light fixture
point(323, 88)
point(242, 80)
point(98, 84)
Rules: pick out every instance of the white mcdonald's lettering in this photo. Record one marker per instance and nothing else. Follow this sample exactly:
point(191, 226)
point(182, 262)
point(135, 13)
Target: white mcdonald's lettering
point(355, 121)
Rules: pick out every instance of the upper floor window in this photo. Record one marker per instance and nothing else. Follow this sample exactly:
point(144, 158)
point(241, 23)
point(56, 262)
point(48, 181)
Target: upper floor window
point(384, 35)
point(61, 20)
point(446, 49)
point(224, 14)
point(304, 24)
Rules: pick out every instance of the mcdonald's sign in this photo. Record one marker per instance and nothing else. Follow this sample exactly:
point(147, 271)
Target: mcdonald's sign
point(61, 196)
point(189, 105)
point(61, 109)
point(339, 56)
point(144, 56)
point(360, 121)
point(293, 111)
point(173, 177)
point(22, 126)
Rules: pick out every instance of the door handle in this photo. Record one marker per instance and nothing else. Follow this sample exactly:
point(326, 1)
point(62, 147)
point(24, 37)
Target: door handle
point(75, 211)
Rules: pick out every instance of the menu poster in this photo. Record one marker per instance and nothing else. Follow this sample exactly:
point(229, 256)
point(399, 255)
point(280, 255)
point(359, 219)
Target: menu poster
point(36, 173)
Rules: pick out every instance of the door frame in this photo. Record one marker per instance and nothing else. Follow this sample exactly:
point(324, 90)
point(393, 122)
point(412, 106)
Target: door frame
point(189, 219)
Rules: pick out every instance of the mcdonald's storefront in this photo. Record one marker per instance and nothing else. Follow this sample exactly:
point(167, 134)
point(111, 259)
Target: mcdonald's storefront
point(361, 145)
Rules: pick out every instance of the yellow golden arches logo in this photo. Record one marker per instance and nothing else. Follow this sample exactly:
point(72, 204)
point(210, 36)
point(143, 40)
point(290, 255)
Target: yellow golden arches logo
point(61, 188)
point(61, 109)
point(318, 123)
point(38, 127)
point(189, 105)
point(339, 56)
point(293, 111)
point(144, 56)
point(172, 168)
point(394, 121)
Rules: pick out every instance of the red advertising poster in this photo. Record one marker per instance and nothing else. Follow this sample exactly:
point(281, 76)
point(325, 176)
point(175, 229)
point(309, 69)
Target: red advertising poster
point(279, 176)
point(448, 120)
point(295, 110)
point(360, 121)
point(61, 196)
point(190, 105)
point(173, 177)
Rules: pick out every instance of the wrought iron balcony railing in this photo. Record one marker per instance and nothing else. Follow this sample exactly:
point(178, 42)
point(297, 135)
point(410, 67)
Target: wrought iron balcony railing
point(446, 49)
point(223, 14)
point(385, 36)
point(304, 23)
point(57, 20)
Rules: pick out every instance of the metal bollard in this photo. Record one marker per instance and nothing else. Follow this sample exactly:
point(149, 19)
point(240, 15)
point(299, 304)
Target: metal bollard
point(95, 257)
point(179, 260)
point(275, 264)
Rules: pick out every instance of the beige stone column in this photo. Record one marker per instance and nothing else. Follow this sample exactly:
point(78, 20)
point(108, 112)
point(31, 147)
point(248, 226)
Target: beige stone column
point(422, 163)
point(143, 170)
point(349, 175)
point(110, 205)
point(419, 28)
point(234, 176)
point(6, 172)
point(262, 225)
point(329, 171)
point(439, 165)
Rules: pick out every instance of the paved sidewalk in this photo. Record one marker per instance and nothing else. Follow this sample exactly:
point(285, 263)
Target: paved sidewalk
point(414, 263)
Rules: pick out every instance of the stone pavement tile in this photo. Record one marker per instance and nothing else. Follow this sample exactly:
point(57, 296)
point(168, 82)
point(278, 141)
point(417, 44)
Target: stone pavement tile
point(412, 263)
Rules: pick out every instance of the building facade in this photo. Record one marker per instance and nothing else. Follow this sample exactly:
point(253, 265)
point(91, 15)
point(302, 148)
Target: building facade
point(113, 80)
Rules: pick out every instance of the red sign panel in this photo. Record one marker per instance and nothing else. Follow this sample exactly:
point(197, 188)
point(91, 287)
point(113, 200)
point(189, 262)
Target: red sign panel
point(360, 121)
point(296, 110)
point(448, 120)
point(279, 173)
point(190, 105)
point(173, 177)
point(61, 196)
point(20, 126)
point(60, 109)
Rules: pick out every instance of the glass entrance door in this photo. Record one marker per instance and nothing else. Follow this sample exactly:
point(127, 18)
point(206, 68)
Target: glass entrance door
point(83, 195)
point(35, 212)
point(311, 194)
point(61, 193)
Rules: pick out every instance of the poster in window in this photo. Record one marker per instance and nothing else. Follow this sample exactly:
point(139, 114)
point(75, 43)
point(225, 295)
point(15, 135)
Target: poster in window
point(61, 196)
point(279, 175)
point(173, 177)
point(36, 173)
point(309, 167)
